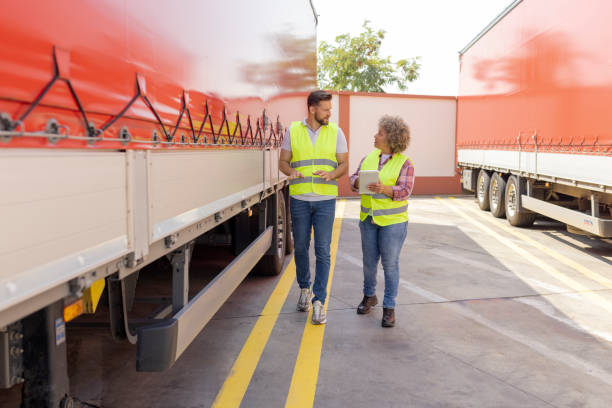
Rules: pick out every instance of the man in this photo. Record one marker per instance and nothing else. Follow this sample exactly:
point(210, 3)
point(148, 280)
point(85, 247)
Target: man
point(314, 155)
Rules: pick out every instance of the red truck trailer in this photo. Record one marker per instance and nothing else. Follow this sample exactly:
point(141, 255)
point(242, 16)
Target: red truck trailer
point(534, 131)
point(128, 131)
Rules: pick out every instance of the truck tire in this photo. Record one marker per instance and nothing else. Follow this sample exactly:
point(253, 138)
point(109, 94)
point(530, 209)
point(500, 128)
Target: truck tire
point(497, 193)
point(272, 264)
point(482, 190)
point(515, 215)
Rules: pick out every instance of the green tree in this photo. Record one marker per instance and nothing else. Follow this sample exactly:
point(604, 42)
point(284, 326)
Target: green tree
point(355, 64)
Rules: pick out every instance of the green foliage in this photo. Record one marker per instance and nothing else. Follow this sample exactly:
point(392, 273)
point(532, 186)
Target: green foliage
point(355, 64)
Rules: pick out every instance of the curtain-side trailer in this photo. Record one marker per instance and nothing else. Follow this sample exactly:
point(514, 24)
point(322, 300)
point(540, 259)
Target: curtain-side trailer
point(534, 131)
point(128, 131)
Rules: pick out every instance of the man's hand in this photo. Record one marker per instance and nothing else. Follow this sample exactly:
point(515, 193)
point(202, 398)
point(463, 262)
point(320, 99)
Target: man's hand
point(285, 166)
point(325, 175)
point(295, 174)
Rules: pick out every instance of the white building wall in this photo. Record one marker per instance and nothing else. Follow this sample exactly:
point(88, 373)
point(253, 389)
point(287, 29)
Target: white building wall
point(432, 128)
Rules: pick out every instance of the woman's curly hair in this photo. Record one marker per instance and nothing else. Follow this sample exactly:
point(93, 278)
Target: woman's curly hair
point(398, 133)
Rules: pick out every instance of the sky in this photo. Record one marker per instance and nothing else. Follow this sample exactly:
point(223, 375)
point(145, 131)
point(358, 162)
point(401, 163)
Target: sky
point(435, 30)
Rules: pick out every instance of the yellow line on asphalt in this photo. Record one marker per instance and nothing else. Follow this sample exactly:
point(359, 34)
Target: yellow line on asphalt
point(596, 299)
point(554, 254)
point(306, 372)
point(236, 384)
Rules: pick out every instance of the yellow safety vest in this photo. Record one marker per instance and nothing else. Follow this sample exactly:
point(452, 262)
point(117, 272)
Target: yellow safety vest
point(382, 208)
point(307, 159)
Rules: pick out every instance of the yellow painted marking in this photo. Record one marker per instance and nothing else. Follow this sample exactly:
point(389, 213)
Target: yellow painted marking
point(306, 371)
point(236, 384)
point(554, 254)
point(596, 299)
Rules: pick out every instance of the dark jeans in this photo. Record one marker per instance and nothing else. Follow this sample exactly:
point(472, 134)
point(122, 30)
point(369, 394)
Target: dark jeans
point(306, 215)
point(385, 244)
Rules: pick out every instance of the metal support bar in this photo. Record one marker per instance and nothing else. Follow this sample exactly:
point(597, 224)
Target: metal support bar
point(262, 217)
point(180, 276)
point(11, 355)
point(529, 188)
point(594, 205)
point(120, 300)
point(241, 231)
point(44, 355)
point(523, 186)
point(5, 360)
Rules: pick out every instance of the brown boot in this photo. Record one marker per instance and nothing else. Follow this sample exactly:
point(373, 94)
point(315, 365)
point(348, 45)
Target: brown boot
point(366, 304)
point(388, 319)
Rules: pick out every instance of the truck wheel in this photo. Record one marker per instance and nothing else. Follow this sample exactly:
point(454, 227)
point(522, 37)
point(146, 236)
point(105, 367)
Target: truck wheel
point(272, 264)
point(482, 190)
point(516, 216)
point(497, 192)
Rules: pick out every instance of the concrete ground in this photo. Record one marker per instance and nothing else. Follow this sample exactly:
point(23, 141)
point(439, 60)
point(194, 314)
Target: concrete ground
point(488, 316)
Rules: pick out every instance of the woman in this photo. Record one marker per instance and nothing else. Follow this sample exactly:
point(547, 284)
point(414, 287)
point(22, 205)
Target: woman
point(384, 214)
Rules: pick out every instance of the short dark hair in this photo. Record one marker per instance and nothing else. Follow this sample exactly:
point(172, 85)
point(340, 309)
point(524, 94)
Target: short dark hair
point(317, 96)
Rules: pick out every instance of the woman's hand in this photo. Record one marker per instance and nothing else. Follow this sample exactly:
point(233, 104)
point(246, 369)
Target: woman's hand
point(380, 188)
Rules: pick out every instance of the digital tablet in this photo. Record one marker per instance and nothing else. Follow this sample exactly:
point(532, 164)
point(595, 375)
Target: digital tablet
point(367, 177)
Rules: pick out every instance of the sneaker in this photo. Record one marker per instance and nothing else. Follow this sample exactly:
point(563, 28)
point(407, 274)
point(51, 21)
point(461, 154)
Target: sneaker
point(303, 304)
point(318, 313)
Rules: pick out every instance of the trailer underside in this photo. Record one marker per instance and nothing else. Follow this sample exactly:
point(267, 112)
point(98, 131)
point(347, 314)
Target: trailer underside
point(571, 188)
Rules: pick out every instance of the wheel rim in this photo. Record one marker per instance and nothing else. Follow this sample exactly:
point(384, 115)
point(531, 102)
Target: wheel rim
point(494, 191)
point(511, 200)
point(481, 188)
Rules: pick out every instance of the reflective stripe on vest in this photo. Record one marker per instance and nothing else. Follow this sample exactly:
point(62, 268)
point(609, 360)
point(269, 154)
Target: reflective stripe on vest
point(388, 211)
point(313, 180)
point(307, 159)
point(382, 208)
point(314, 162)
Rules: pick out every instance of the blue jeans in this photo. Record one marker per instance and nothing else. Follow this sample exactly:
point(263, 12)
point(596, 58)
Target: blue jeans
point(384, 243)
point(304, 216)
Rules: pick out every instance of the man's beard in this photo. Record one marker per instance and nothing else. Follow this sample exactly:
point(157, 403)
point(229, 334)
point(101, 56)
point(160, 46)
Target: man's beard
point(321, 121)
